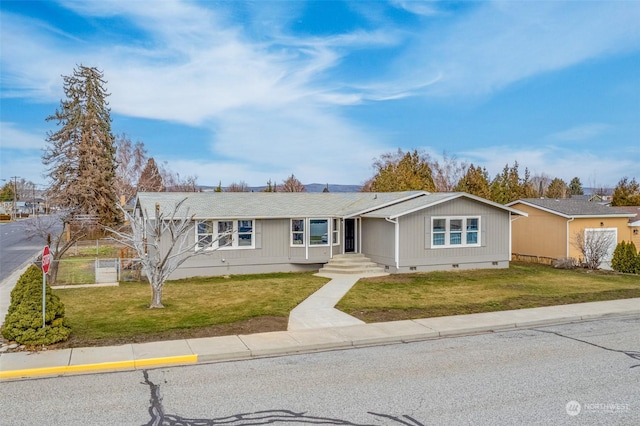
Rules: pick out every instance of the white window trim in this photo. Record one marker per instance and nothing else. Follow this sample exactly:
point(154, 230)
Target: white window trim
point(447, 232)
point(306, 232)
point(234, 235)
point(328, 221)
point(303, 232)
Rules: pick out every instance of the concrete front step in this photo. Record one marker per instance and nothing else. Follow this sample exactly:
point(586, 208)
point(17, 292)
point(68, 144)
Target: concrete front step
point(352, 263)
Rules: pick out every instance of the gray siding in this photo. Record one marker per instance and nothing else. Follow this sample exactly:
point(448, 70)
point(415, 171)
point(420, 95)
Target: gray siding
point(378, 237)
point(272, 253)
point(415, 236)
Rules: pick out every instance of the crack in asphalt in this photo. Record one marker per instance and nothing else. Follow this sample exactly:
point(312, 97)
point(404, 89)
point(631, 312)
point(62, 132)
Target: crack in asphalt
point(160, 418)
point(635, 355)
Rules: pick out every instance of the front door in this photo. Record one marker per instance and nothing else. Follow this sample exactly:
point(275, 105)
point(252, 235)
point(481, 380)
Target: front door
point(349, 235)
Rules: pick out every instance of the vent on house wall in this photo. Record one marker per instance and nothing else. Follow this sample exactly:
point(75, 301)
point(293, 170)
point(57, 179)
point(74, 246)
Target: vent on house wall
point(455, 265)
point(386, 268)
point(494, 263)
point(413, 268)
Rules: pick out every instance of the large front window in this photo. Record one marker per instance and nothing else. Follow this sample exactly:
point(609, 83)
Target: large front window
point(221, 234)
point(318, 232)
point(455, 232)
point(314, 232)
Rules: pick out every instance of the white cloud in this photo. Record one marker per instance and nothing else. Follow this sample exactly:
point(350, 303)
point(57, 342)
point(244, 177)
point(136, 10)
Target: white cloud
point(419, 7)
point(500, 43)
point(556, 162)
point(581, 132)
point(300, 139)
point(13, 137)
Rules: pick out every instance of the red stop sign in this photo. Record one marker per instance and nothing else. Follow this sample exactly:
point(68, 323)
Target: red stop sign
point(46, 259)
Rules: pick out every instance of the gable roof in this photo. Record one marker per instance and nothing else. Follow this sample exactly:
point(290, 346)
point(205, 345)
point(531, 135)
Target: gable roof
point(266, 205)
point(572, 208)
point(635, 211)
point(430, 200)
point(263, 205)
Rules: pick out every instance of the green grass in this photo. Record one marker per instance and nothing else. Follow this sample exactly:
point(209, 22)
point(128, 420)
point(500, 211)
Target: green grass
point(193, 307)
point(76, 271)
point(522, 285)
point(108, 313)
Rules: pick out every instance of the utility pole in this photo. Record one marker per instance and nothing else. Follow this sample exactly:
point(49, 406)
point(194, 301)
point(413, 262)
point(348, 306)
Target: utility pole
point(15, 196)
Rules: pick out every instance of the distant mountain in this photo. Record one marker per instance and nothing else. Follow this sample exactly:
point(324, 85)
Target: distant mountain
point(312, 187)
point(319, 187)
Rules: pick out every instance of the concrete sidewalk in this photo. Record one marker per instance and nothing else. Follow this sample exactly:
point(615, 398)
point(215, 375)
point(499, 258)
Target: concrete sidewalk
point(318, 311)
point(19, 365)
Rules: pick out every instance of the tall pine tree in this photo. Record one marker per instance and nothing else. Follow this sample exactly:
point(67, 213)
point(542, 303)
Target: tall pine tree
point(81, 154)
point(476, 182)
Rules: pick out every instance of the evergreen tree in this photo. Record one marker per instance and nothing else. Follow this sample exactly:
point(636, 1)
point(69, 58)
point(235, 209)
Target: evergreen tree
point(402, 171)
point(6, 192)
point(270, 187)
point(507, 186)
point(626, 193)
point(557, 189)
point(219, 187)
point(476, 182)
point(575, 187)
point(81, 154)
point(150, 178)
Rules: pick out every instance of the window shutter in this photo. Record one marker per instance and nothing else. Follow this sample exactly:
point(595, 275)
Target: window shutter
point(483, 231)
point(258, 233)
point(427, 232)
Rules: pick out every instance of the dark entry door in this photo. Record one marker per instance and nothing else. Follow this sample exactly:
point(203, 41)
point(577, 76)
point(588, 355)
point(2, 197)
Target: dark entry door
point(349, 235)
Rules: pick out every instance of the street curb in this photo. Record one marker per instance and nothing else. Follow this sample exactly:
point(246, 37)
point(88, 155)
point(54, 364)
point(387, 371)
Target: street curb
point(99, 367)
point(294, 343)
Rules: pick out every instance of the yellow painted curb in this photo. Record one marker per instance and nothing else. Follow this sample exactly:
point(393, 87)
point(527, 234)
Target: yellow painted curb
point(32, 372)
point(118, 365)
point(181, 359)
point(100, 366)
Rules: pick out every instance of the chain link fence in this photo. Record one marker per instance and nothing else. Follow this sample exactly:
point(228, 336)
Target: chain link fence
point(98, 262)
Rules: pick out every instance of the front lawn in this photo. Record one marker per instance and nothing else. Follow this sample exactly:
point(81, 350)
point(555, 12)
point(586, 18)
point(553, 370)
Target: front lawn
point(522, 285)
point(193, 308)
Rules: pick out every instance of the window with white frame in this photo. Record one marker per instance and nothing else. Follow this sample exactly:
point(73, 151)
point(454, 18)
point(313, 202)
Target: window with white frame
point(313, 232)
point(318, 232)
point(225, 234)
point(459, 231)
point(245, 233)
point(297, 232)
point(335, 231)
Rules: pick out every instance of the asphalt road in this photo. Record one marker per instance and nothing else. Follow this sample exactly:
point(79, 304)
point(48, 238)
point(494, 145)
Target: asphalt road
point(15, 246)
point(582, 373)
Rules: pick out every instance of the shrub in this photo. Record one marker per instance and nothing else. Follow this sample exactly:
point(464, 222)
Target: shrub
point(565, 263)
point(23, 322)
point(625, 258)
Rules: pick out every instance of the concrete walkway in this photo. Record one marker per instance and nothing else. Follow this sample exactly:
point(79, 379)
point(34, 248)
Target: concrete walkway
point(303, 336)
point(317, 311)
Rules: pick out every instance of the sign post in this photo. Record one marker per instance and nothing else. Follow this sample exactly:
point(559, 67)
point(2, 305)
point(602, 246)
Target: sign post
point(46, 262)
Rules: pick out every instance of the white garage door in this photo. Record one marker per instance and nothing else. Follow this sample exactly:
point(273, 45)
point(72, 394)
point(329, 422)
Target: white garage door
point(599, 236)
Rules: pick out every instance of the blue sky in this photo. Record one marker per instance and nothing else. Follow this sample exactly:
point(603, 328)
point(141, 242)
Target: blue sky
point(235, 91)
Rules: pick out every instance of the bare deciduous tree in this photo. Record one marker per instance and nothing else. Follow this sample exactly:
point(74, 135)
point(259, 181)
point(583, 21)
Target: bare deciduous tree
point(131, 160)
point(163, 240)
point(291, 184)
point(447, 174)
point(241, 186)
point(594, 246)
point(61, 232)
point(173, 182)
